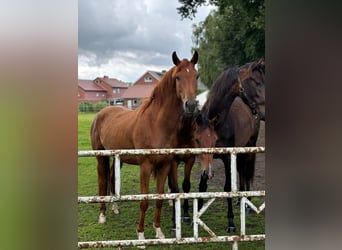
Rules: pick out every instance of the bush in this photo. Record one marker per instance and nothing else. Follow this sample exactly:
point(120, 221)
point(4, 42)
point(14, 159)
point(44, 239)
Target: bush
point(91, 107)
point(99, 105)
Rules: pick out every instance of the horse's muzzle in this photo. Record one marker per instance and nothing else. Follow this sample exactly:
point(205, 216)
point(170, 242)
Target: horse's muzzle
point(190, 107)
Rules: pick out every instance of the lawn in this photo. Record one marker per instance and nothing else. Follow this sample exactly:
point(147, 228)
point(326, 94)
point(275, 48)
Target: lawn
point(123, 225)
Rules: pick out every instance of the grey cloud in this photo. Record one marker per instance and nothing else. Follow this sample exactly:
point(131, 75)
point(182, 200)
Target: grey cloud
point(146, 28)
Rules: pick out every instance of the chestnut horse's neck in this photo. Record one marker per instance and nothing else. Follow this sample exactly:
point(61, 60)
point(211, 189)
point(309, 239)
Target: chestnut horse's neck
point(164, 102)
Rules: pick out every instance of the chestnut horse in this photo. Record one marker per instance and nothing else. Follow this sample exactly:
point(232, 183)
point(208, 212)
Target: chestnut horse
point(153, 125)
point(237, 122)
point(195, 131)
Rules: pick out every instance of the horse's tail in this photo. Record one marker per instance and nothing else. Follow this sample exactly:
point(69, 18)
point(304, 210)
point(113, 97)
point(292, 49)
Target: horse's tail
point(92, 132)
point(103, 162)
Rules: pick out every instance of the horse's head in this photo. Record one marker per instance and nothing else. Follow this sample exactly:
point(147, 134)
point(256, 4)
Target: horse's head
point(205, 137)
point(185, 75)
point(252, 89)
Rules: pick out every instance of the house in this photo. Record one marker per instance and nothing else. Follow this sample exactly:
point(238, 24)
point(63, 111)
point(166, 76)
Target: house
point(101, 89)
point(141, 89)
point(115, 92)
point(114, 88)
point(88, 91)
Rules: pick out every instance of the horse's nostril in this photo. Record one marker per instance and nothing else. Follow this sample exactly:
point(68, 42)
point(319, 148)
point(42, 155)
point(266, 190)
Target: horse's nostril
point(190, 107)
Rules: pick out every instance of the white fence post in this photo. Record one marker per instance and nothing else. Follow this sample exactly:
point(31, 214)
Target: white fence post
point(117, 175)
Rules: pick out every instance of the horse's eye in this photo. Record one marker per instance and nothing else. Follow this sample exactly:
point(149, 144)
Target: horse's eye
point(177, 78)
point(198, 75)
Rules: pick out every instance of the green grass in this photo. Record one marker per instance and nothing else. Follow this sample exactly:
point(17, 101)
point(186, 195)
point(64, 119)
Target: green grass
point(123, 225)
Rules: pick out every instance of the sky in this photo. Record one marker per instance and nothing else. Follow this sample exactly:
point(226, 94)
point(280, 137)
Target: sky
point(123, 39)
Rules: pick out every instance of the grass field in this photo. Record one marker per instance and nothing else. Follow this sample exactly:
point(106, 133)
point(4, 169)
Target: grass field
point(123, 226)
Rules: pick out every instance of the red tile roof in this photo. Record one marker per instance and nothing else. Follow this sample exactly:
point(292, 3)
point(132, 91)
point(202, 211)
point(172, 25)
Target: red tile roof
point(139, 91)
point(89, 85)
point(113, 82)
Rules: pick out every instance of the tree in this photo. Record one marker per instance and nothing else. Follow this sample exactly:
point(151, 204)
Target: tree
point(231, 35)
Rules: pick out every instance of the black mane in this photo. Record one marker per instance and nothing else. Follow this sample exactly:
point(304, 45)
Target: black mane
point(220, 96)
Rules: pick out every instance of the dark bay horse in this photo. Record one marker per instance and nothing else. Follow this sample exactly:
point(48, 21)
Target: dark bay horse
point(238, 121)
point(245, 131)
point(195, 131)
point(153, 125)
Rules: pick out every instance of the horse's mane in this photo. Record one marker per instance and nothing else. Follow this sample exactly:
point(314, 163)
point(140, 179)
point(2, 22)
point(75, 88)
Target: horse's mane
point(163, 87)
point(220, 92)
point(158, 90)
point(258, 66)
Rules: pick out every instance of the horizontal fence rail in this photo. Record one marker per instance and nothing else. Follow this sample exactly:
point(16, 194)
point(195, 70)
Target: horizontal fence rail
point(230, 150)
point(172, 196)
point(177, 197)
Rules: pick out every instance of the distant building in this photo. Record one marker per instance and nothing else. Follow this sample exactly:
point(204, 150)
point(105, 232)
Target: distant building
point(116, 92)
point(101, 89)
point(115, 89)
point(88, 91)
point(141, 89)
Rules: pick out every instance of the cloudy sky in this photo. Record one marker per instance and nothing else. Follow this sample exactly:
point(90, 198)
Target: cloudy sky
point(123, 39)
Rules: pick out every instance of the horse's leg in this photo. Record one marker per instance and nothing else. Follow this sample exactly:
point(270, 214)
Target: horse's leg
point(250, 168)
point(169, 184)
point(249, 174)
point(102, 179)
point(203, 186)
point(163, 172)
point(173, 182)
point(228, 188)
point(186, 185)
point(145, 173)
point(115, 205)
point(241, 168)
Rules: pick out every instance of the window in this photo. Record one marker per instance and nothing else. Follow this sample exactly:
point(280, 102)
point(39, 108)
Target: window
point(148, 79)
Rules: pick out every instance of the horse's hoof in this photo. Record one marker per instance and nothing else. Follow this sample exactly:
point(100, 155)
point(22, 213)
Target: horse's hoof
point(115, 208)
point(102, 218)
point(159, 233)
point(141, 236)
point(186, 219)
point(170, 203)
point(230, 229)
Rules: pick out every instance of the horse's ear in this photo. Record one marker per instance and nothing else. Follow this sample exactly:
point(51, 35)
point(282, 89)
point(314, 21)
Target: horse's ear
point(194, 58)
point(175, 58)
point(252, 66)
point(244, 73)
point(261, 62)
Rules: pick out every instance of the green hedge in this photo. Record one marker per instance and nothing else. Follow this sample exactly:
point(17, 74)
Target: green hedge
point(91, 107)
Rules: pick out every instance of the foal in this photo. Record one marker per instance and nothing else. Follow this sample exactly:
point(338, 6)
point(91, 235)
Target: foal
point(195, 131)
